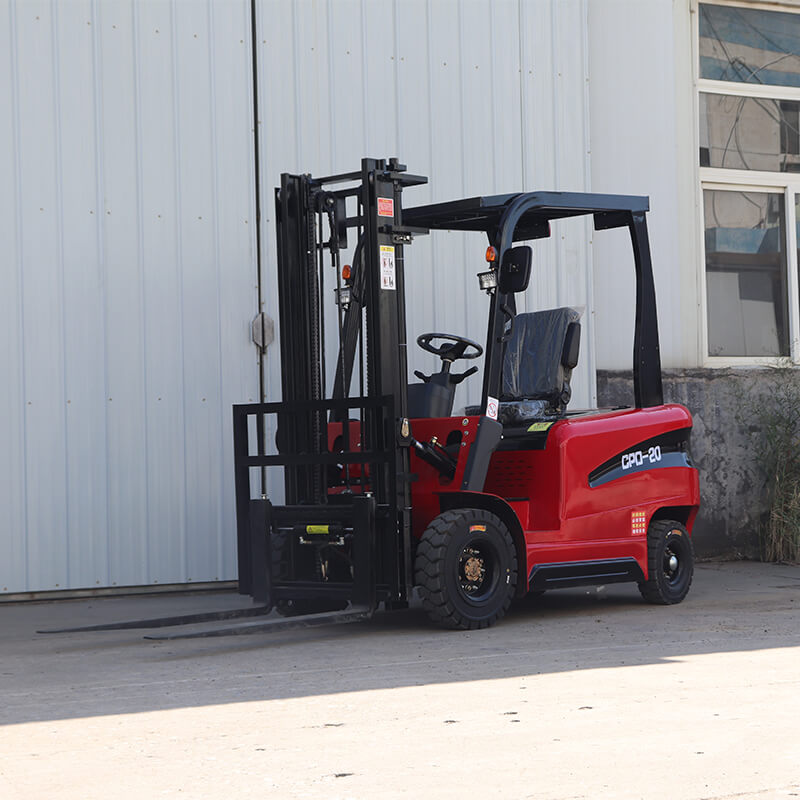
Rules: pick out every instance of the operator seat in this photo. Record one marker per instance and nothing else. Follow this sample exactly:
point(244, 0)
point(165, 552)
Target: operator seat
point(539, 358)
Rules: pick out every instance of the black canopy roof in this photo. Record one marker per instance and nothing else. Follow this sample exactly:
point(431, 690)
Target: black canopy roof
point(485, 213)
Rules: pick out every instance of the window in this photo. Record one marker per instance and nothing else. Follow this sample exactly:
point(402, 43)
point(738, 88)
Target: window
point(749, 156)
point(745, 269)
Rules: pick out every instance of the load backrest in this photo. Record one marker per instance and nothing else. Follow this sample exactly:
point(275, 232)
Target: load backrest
point(540, 356)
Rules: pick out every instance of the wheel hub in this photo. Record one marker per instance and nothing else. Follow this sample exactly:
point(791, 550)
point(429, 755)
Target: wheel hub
point(473, 569)
point(672, 564)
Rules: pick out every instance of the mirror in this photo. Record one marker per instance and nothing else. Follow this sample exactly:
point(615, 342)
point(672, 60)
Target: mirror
point(515, 271)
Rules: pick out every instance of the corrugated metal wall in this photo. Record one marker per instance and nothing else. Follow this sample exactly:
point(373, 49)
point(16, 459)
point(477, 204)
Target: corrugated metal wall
point(643, 142)
point(482, 96)
point(126, 216)
point(128, 284)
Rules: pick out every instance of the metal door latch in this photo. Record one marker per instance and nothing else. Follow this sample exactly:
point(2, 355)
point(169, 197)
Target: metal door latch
point(263, 331)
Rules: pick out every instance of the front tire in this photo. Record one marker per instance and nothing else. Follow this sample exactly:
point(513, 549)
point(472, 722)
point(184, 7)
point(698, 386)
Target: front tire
point(466, 569)
point(670, 563)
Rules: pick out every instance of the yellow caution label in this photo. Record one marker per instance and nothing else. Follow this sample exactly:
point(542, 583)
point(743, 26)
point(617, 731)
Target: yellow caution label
point(538, 427)
point(317, 529)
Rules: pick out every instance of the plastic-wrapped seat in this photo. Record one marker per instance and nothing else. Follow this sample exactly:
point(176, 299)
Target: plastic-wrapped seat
point(539, 358)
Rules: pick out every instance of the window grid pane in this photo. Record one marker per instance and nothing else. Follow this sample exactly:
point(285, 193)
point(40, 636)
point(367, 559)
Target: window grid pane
point(749, 133)
point(749, 45)
point(745, 235)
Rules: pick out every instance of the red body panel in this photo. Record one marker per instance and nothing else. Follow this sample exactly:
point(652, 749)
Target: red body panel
point(561, 516)
point(426, 489)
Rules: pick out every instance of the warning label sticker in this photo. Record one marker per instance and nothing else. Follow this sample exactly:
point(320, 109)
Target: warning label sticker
point(638, 523)
point(385, 207)
point(538, 427)
point(317, 529)
point(491, 407)
point(387, 267)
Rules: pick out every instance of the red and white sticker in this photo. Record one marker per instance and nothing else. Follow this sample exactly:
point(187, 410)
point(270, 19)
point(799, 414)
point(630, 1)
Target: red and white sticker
point(385, 207)
point(491, 407)
point(638, 523)
point(387, 267)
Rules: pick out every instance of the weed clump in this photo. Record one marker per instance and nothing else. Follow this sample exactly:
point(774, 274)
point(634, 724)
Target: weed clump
point(772, 409)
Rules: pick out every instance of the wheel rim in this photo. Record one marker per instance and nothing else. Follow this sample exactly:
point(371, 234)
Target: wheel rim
point(675, 561)
point(478, 570)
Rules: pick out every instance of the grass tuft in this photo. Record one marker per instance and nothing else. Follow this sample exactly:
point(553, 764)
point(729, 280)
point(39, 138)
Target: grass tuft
point(772, 410)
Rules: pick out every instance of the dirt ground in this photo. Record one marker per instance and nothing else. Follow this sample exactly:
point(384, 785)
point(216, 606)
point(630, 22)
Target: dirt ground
point(578, 694)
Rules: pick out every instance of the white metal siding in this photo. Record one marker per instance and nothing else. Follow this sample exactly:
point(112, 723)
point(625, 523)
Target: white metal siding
point(127, 220)
point(482, 96)
point(643, 142)
point(128, 282)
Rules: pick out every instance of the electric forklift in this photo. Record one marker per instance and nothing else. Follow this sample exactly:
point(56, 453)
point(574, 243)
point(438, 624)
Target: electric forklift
point(385, 488)
point(382, 489)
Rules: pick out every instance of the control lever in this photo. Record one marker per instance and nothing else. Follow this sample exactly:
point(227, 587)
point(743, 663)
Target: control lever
point(454, 378)
point(458, 378)
point(435, 455)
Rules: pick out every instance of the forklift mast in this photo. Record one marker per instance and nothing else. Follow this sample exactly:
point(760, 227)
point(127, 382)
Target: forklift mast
point(315, 219)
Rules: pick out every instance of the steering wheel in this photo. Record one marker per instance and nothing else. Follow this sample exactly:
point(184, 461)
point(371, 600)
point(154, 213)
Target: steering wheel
point(452, 348)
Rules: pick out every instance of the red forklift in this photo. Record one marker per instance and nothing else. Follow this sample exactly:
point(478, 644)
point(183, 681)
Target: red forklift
point(384, 489)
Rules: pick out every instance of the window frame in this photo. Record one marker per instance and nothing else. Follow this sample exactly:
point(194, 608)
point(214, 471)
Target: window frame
point(722, 179)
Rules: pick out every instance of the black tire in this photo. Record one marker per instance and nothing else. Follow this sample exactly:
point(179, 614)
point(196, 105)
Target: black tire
point(670, 563)
point(466, 569)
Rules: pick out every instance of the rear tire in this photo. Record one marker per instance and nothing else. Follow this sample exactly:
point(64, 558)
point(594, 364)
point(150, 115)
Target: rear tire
point(670, 563)
point(466, 569)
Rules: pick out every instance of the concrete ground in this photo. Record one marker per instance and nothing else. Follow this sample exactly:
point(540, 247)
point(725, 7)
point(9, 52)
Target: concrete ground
point(579, 694)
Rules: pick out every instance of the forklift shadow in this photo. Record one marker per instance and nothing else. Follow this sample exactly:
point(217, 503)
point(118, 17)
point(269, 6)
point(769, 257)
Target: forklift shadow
point(414, 621)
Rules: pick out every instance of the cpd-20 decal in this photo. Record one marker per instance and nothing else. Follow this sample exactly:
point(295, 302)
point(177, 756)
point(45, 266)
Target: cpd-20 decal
point(638, 457)
point(667, 450)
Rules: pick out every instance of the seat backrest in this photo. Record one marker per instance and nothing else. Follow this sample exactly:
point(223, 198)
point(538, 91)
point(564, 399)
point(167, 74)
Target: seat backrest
point(540, 355)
